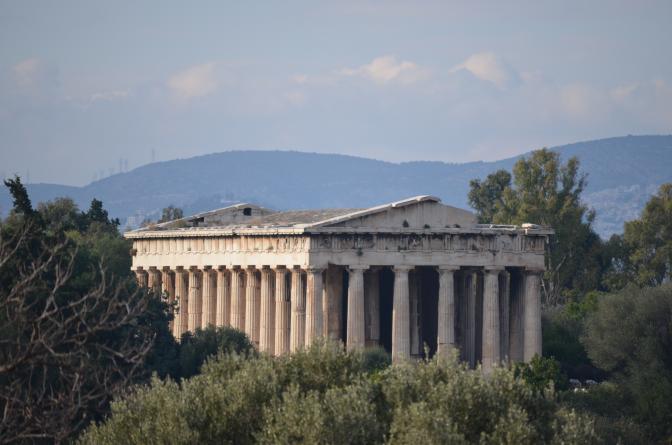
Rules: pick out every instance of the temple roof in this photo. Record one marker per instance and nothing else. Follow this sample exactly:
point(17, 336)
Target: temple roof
point(424, 212)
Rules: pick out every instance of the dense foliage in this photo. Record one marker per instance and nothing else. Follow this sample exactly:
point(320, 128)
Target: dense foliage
point(74, 328)
point(327, 395)
point(630, 336)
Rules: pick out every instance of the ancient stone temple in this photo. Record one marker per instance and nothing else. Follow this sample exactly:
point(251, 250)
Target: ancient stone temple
point(407, 276)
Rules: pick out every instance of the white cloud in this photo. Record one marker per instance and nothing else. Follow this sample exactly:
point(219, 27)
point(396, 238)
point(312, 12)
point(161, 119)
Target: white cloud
point(487, 66)
point(27, 71)
point(387, 69)
point(197, 81)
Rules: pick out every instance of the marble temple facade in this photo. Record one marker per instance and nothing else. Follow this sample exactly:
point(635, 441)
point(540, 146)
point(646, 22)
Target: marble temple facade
point(411, 276)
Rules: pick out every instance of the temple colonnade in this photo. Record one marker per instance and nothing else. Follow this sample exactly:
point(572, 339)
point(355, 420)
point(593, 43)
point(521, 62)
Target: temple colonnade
point(490, 314)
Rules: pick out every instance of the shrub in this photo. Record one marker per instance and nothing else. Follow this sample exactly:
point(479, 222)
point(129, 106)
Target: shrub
point(325, 395)
point(196, 347)
point(630, 336)
point(542, 372)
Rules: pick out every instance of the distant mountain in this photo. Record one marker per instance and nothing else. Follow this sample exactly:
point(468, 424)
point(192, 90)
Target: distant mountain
point(623, 173)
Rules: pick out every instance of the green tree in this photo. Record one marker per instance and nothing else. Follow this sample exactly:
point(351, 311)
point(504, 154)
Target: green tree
point(643, 253)
point(630, 336)
point(196, 347)
point(74, 327)
point(547, 192)
point(487, 196)
point(171, 213)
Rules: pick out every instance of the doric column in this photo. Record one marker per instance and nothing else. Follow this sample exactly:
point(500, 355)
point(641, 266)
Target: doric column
point(372, 307)
point(334, 306)
point(415, 333)
point(516, 322)
point(209, 297)
point(504, 314)
point(355, 328)
point(168, 291)
point(314, 288)
point(471, 294)
point(401, 342)
point(195, 299)
point(222, 317)
point(154, 279)
point(237, 299)
point(182, 298)
point(446, 307)
point(491, 332)
point(252, 303)
point(297, 329)
point(267, 312)
point(532, 317)
point(282, 312)
point(141, 276)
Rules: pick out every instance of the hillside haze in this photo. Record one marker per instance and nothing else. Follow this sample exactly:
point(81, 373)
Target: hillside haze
point(622, 174)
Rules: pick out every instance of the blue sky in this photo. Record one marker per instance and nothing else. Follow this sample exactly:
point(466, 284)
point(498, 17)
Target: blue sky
point(87, 87)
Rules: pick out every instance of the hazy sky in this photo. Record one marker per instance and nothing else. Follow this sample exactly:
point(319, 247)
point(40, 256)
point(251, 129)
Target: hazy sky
point(87, 86)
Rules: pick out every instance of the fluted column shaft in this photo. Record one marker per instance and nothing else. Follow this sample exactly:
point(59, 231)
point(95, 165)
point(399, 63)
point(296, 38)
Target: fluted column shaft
point(142, 277)
point(298, 321)
point(182, 297)
point(168, 291)
point(446, 308)
point(504, 314)
point(237, 299)
point(223, 309)
point(516, 328)
point(314, 288)
point(355, 333)
point(372, 305)
point(267, 312)
point(532, 315)
point(209, 298)
point(154, 279)
point(491, 329)
point(334, 304)
point(282, 312)
point(471, 291)
point(252, 303)
point(195, 299)
point(401, 342)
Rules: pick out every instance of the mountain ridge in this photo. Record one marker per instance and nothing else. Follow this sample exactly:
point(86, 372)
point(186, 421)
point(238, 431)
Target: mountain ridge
point(622, 173)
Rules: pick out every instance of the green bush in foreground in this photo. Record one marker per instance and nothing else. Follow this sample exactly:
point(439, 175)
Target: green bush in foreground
point(327, 395)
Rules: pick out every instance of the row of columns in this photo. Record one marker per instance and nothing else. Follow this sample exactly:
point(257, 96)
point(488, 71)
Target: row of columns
point(281, 315)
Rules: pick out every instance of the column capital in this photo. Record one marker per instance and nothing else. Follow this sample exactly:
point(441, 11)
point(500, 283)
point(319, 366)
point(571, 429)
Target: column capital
point(206, 268)
point(152, 268)
point(139, 269)
point(166, 268)
point(281, 269)
point(194, 268)
point(236, 267)
point(221, 268)
point(179, 268)
point(358, 267)
point(494, 269)
point(315, 269)
point(403, 268)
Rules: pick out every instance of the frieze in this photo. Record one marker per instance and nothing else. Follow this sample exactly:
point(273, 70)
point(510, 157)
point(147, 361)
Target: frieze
point(344, 242)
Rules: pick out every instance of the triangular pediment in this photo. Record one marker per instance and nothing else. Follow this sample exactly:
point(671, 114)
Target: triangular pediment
point(420, 212)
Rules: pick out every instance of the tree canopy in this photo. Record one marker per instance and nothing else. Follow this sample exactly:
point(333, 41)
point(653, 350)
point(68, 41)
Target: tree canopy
point(544, 190)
